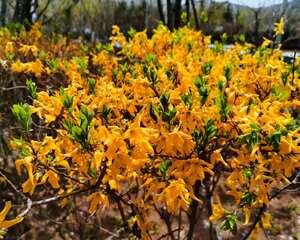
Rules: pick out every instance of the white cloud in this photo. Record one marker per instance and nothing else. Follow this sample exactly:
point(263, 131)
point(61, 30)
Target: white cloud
point(254, 3)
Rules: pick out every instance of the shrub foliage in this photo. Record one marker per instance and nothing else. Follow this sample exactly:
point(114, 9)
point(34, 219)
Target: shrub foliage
point(160, 124)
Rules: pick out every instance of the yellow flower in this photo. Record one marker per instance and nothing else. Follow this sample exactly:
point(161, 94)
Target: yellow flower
point(97, 199)
point(9, 47)
point(266, 42)
point(26, 49)
point(218, 212)
point(8, 223)
point(35, 67)
point(279, 27)
point(247, 213)
point(285, 147)
point(52, 178)
point(18, 67)
point(176, 196)
point(266, 220)
point(216, 156)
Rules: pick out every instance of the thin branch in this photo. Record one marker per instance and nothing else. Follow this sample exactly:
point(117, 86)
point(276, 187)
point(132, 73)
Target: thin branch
point(12, 185)
point(166, 218)
point(43, 10)
point(109, 232)
point(293, 67)
point(167, 234)
point(40, 126)
point(12, 88)
point(179, 223)
point(256, 221)
point(193, 211)
point(31, 204)
point(64, 175)
point(264, 207)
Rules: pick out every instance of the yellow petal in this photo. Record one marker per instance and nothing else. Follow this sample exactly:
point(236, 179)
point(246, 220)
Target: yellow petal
point(5, 210)
point(53, 179)
point(113, 184)
point(266, 220)
point(216, 156)
point(285, 147)
point(95, 200)
point(10, 223)
point(63, 163)
point(247, 214)
point(3, 213)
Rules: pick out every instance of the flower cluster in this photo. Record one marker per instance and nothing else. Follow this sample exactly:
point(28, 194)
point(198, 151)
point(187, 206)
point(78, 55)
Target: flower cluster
point(159, 124)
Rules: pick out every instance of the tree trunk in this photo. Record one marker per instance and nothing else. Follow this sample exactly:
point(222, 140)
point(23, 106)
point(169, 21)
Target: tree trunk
point(177, 14)
point(3, 12)
point(169, 15)
point(22, 12)
point(256, 26)
point(161, 11)
point(187, 9)
point(195, 15)
point(26, 11)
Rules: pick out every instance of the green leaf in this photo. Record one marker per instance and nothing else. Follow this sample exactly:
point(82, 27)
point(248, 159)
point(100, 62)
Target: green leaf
point(68, 102)
point(92, 84)
point(206, 67)
point(242, 38)
point(247, 172)
point(163, 168)
point(275, 137)
point(131, 32)
point(187, 98)
point(105, 111)
point(23, 114)
point(251, 139)
point(202, 137)
point(164, 100)
point(224, 108)
point(202, 87)
point(203, 17)
point(248, 198)
point(169, 114)
point(68, 124)
point(81, 62)
point(228, 70)
point(280, 93)
point(224, 37)
point(285, 77)
point(53, 64)
point(153, 112)
point(31, 88)
point(230, 223)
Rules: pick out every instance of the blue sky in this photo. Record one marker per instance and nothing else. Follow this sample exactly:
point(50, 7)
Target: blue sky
point(254, 3)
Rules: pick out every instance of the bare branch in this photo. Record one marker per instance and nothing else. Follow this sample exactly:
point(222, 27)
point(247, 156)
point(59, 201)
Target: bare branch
point(12, 88)
point(12, 185)
point(43, 10)
point(264, 207)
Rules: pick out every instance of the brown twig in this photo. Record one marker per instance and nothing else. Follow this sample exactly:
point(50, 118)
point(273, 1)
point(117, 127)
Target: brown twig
point(263, 208)
point(12, 88)
point(64, 175)
point(31, 204)
point(166, 218)
point(293, 67)
point(193, 211)
point(167, 234)
point(12, 185)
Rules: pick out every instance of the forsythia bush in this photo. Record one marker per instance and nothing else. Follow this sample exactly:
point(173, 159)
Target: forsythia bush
point(160, 125)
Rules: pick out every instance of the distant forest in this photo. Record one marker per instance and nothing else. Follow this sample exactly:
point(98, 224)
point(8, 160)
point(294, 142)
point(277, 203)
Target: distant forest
point(93, 19)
